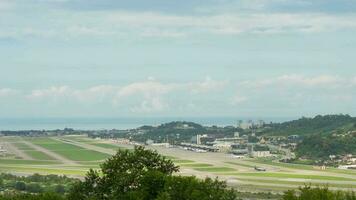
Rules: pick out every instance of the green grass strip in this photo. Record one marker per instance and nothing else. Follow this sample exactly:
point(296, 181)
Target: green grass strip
point(215, 169)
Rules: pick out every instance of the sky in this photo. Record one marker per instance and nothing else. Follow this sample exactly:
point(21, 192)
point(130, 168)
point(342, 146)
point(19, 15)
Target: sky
point(196, 58)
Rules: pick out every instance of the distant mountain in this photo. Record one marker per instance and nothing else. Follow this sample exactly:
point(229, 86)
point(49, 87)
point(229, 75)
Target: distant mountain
point(324, 125)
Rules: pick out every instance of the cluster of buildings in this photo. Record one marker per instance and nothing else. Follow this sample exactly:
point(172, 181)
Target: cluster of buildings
point(238, 145)
point(344, 161)
point(3, 151)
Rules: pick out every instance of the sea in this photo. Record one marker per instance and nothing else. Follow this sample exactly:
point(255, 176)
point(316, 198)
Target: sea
point(13, 124)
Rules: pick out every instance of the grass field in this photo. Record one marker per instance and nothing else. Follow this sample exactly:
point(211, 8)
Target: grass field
point(183, 161)
point(293, 176)
point(196, 165)
point(105, 145)
point(83, 155)
point(22, 146)
point(38, 155)
point(298, 183)
point(27, 169)
point(300, 166)
point(215, 169)
point(241, 164)
point(28, 162)
point(70, 151)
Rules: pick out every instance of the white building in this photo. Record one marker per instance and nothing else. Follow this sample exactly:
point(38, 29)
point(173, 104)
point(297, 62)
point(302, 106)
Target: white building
point(260, 154)
point(223, 146)
point(347, 167)
point(166, 145)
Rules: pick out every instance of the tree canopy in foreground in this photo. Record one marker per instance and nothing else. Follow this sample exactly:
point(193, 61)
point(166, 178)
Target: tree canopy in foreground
point(145, 175)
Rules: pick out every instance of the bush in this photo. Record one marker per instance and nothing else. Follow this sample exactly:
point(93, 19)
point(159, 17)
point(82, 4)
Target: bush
point(309, 193)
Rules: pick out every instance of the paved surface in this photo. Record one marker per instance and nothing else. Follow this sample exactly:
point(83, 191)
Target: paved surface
point(11, 148)
point(87, 146)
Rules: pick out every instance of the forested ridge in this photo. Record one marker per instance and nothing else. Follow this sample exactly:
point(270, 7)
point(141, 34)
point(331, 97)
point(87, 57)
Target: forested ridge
point(321, 147)
point(324, 125)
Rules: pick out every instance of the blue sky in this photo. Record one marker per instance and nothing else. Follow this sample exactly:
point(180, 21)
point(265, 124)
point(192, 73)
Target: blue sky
point(115, 58)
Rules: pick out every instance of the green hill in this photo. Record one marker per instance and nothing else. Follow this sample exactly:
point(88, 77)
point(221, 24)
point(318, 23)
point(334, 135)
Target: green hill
point(324, 125)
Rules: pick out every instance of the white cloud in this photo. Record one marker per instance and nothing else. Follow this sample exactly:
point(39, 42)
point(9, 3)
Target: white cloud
point(144, 96)
point(54, 94)
point(238, 99)
point(234, 23)
point(154, 104)
point(119, 24)
point(6, 92)
point(320, 81)
point(207, 85)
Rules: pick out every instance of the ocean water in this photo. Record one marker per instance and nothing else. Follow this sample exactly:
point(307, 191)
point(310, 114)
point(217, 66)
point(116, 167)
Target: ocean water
point(114, 123)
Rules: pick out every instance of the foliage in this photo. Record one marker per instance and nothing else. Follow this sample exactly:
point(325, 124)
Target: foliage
point(45, 196)
point(36, 183)
point(144, 174)
point(319, 147)
point(180, 131)
point(325, 125)
point(309, 193)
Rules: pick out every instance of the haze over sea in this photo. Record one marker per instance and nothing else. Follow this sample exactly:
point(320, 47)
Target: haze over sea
point(116, 123)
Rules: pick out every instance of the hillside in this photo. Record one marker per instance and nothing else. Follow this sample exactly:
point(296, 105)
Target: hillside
point(324, 125)
point(316, 147)
point(182, 131)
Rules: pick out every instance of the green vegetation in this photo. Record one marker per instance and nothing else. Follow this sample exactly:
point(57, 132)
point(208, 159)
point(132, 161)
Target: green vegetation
point(106, 145)
point(22, 146)
point(20, 196)
point(297, 183)
point(179, 131)
point(318, 147)
point(285, 165)
point(54, 145)
point(42, 170)
point(36, 183)
point(83, 155)
point(69, 151)
point(215, 169)
point(324, 125)
point(38, 155)
point(240, 164)
point(182, 161)
point(144, 174)
point(309, 193)
point(196, 165)
point(298, 176)
point(28, 162)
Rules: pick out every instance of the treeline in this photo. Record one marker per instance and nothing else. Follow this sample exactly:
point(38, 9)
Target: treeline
point(25, 133)
point(318, 147)
point(181, 131)
point(324, 125)
point(36, 183)
point(309, 193)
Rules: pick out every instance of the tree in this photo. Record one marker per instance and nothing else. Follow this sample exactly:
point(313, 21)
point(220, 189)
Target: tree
point(19, 185)
point(60, 189)
point(145, 175)
point(46, 196)
point(122, 174)
point(34, 188)
point(191, 188)
point(318, 193)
